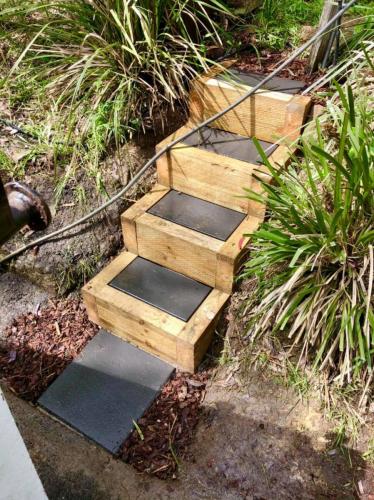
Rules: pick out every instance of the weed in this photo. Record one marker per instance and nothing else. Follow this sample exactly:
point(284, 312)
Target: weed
point(278, 23)
point(297, 379)
point(369, 453)
point(6, 163)
point(75, 271)
point(138, 430)
point(346, 428)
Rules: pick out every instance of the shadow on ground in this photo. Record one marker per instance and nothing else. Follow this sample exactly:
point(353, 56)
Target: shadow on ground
point(253, 444)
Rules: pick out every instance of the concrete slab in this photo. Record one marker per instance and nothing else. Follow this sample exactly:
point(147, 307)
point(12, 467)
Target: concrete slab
point(108, 387)
point(18, 477)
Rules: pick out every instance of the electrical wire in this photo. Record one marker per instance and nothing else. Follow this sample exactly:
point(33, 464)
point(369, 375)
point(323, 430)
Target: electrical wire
point(181, 138)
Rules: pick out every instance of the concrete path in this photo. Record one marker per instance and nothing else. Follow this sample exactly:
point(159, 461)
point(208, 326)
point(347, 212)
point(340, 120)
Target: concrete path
point(18, 478)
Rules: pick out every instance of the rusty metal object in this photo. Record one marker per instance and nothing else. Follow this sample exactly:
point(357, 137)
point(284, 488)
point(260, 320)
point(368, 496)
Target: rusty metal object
point(21, 206)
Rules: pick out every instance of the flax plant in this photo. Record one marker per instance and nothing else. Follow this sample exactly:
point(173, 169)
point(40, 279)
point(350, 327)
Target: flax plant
point(314, 256)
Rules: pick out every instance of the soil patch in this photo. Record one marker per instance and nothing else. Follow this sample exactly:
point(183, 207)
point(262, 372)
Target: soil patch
point(66, 262)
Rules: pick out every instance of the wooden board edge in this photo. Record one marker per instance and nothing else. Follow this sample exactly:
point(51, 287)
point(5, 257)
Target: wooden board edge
point(195, 338)
point(231, 254)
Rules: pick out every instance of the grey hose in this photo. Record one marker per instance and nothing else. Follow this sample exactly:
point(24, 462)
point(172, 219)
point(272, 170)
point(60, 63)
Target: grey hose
point(166, 148)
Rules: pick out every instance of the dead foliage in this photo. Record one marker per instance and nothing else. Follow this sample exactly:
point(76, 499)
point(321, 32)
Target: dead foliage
point(267, 61)
point(38, 346)
point(163, 435)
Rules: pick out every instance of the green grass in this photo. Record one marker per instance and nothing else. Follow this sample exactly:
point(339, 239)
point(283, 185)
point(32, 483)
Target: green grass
point(297, 379)
point(278, 23)
point(314, 258)
point(368, 455)
point(74, 271)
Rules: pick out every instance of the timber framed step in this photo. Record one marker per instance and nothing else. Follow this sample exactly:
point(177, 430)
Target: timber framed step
point(199, 239)
point(155, 329)
point(212, 167)
point(269, 115)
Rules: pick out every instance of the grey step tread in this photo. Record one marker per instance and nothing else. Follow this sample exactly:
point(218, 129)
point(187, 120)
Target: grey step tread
point(161, 287)
point(276, 83)
point(229, 144)
point(197, 214)
point(107, 387)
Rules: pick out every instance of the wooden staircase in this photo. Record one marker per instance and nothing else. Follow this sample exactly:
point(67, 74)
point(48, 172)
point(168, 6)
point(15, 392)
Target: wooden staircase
point(184, 239)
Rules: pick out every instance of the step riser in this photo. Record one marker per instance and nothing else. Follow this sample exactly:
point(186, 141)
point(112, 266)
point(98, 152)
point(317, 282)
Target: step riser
point(207, 264)
point(131, 328)
point(218, 180)
point(156, 244)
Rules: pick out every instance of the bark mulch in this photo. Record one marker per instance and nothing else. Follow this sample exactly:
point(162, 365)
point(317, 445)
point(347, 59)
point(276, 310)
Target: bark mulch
point(164, 433)
point(267, 60)
point(38, 346)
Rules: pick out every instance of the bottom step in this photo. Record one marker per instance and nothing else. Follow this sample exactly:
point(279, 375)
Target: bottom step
point(161, 311)
point(105, 389)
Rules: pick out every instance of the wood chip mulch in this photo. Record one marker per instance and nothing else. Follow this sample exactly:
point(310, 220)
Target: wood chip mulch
point(166, 430)
point(267, 62)
point(38, 346)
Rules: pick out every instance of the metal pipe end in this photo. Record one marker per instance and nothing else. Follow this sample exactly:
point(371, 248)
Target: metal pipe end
point(28, 202)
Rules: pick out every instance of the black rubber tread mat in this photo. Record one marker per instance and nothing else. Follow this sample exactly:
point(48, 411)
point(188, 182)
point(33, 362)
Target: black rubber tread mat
point(229, 144)
point(200, 215)
point(161, 287)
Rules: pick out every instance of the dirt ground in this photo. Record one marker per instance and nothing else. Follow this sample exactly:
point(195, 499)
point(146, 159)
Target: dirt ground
point(257, 443)
point(254, 442)
point(67, 261)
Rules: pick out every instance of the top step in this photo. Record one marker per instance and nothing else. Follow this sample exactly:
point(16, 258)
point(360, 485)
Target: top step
point(269, 115)
point(276, 84)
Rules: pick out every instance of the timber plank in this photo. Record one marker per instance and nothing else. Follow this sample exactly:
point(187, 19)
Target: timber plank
point(128, 218)
point(178, 248)
point(210, 176)
point(195, 338)
point(232, 252)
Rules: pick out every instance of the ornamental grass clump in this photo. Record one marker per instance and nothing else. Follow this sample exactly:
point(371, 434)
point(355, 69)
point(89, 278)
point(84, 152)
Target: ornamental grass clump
point(124, 59)
point(313, 258)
